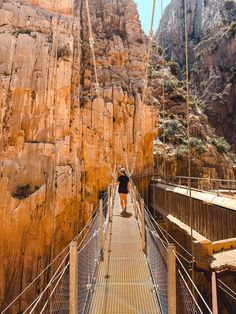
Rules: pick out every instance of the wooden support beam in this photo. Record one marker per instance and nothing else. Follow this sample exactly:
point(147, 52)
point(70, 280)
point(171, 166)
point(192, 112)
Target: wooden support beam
point(101, 230)
point(171, 260)
point(73, 278)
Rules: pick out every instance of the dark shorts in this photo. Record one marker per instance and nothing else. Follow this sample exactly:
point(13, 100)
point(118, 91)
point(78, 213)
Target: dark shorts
point(123, 191)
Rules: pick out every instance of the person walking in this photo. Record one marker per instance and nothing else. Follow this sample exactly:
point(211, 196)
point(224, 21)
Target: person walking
point(123, 189)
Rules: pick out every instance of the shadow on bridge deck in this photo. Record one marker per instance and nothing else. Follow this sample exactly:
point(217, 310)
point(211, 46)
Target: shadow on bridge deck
point(123, 282)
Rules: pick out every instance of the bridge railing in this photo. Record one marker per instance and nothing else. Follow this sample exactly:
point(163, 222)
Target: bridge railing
point(64, 286)
point(175, 290)
point(216, 186)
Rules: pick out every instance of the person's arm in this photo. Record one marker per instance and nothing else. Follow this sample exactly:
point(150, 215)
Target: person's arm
point(115, 183)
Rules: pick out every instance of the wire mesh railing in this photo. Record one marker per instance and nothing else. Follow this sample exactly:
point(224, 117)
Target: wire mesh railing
point(157, 248)
point(157, 260)
point(189, 298)
point(88, 258)
point(156, 253)
point(49, 292)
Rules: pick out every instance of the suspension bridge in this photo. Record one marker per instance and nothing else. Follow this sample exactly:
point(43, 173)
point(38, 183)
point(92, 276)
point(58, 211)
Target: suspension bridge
point(131, 264)
point(117, 264)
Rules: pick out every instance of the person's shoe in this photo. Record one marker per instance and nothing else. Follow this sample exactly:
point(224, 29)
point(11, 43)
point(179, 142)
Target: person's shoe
point(123, 212)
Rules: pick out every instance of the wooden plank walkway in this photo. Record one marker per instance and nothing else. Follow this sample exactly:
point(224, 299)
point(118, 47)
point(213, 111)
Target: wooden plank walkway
point(123, 282)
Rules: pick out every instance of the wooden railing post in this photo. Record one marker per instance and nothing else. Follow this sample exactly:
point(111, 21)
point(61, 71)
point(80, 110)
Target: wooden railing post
point(109, 203)
point(143, 225)
point(91, 211)
point(135, 202)
point(171, 260)
point(214, 293)
point(73, 278)
point(101, 230)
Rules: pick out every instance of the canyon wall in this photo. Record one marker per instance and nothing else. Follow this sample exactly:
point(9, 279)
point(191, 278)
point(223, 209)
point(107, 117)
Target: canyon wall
point(212, 57)
point(210, 155)
point(60, 142)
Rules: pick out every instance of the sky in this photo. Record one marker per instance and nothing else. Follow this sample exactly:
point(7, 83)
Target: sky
point(145, 12)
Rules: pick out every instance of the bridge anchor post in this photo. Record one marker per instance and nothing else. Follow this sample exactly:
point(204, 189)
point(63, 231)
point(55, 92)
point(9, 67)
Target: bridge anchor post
point(109, 203)
point(143, 226)
point(171, 260)
point(73, 278)
point(101, 230)
point(135, 202)
point(214, 293)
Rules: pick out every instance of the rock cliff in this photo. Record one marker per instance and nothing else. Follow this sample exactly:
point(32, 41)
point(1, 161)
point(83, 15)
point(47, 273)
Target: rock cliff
point(212, 47)
point(210, 154)
point(58, 138)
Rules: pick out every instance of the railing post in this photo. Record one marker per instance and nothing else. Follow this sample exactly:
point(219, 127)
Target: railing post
point(101, 230)
point(109, 203)
point(135, 203)
point(91, 211)
point(73, 278)
point(171, 260)
point(143, 225)
point(214, 293)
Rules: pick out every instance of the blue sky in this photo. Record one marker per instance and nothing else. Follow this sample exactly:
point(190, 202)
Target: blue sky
point(145, 12)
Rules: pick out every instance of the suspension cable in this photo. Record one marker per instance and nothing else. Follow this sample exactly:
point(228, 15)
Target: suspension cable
point(226, 286)
point(164, 116)
point(188, 133)
point(193, 284)
point(91, 43)
point(49, 265)
point(54, 288)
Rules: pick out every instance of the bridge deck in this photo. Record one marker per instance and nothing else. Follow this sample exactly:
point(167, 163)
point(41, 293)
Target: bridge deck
point(123, 282)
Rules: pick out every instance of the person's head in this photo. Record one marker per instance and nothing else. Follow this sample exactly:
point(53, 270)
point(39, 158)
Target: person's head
point(122, 171)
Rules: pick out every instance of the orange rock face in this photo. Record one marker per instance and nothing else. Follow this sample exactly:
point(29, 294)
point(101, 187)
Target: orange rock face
point(60, 142)
point(61, 6)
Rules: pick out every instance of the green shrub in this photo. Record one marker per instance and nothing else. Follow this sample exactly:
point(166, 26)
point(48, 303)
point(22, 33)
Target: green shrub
point(178, 98)
point(170, 85)
point(182, 152)
point(198, 145)
point(174, 67)
point(231, 30)
point(221, 144)
point(171, 128)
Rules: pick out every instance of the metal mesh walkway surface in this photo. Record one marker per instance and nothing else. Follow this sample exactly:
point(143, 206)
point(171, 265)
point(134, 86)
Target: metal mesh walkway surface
point(123, 281)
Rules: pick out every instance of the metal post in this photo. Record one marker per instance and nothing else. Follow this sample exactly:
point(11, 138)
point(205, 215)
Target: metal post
point(101, 230)
point(143, 225)
point(73, 278)
point(135, 202)
point(171, 260)
point(214, 293)
point(109, 203)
